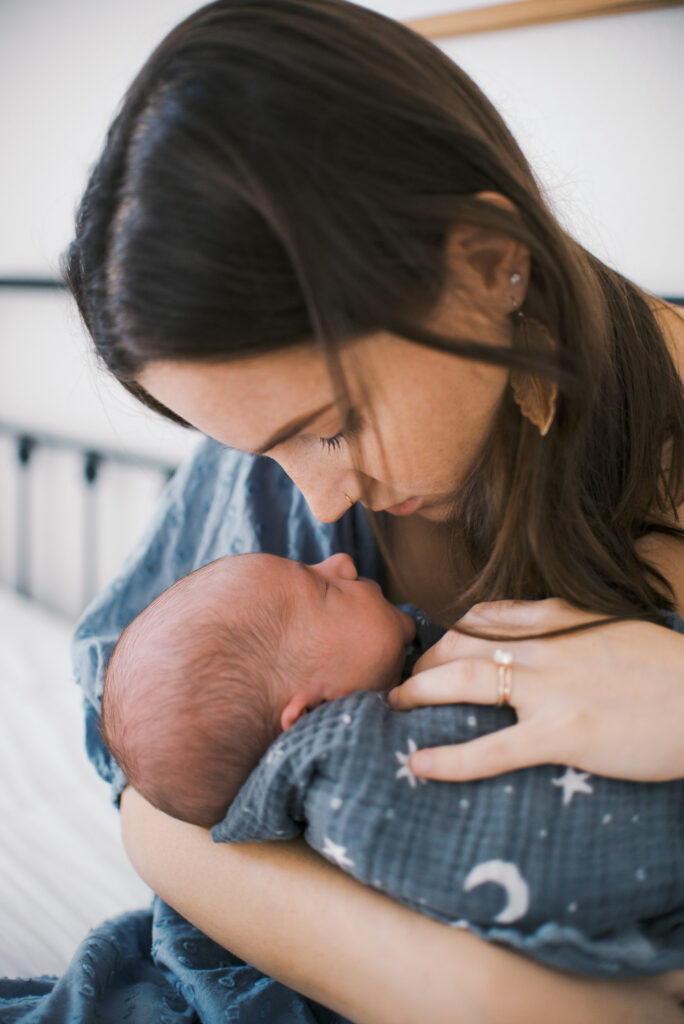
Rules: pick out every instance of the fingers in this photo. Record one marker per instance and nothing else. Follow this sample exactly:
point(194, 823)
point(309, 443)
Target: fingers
point(512, 617)
point(465, 680)
point(671, 983)
point(513, 613)
point(499, 617)
point(517, 746)
point(507, 620)
point(453, 646)
point(519, 617)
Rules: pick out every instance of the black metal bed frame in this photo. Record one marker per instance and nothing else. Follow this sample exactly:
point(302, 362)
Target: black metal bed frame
point(26, 442)
point(93, 458)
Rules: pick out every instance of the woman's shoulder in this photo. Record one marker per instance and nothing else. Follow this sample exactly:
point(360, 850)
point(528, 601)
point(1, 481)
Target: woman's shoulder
point(665, 553)
point(670, 319)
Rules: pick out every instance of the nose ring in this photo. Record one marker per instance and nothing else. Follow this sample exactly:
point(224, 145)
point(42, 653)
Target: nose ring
point(350, 500)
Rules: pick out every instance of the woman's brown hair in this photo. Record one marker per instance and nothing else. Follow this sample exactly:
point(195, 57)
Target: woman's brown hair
point(289, 170)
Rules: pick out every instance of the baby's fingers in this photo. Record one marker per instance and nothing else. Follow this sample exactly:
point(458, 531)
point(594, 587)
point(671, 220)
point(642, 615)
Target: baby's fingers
point(465, 680)
point(517, 746)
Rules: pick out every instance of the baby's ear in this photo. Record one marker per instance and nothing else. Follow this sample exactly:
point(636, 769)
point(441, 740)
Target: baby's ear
point(298, 705)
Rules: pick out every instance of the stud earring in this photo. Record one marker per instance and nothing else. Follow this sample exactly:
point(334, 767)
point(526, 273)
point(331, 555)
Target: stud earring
point(514, 280)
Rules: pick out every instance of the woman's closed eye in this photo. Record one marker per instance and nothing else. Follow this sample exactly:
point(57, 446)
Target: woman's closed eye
point(335, 442)
point(348, 432)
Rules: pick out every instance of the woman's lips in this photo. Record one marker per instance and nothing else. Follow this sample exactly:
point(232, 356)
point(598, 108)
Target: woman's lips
point(406, 508)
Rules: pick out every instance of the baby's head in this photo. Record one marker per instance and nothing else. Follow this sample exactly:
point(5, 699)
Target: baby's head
point(217, 666)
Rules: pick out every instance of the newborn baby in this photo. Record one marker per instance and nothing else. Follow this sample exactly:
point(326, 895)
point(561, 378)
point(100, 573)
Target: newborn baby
point(204, 708)
point(213, 670)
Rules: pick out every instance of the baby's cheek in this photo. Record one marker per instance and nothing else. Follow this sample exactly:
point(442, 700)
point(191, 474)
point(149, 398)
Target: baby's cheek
point(370, 667)
point(391, 658)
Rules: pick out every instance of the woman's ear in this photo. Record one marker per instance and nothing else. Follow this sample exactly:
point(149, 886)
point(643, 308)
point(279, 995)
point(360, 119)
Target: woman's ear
point(486, 260)
point(298, 705)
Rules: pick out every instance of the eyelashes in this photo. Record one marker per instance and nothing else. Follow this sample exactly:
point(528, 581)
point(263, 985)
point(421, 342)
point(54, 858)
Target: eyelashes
point(333, 443)
point(350, 430)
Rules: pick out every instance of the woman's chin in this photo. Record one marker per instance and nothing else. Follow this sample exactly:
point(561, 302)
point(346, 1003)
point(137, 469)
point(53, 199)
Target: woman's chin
point(435, 513)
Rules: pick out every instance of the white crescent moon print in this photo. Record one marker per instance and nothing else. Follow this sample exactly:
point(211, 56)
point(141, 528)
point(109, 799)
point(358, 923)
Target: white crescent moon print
point(508, 876)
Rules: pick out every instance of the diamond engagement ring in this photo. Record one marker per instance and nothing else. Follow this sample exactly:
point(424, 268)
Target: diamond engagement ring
point(504, 667)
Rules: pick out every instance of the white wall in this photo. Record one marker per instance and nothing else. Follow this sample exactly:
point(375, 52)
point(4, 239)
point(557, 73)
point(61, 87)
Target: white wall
point(595, 104)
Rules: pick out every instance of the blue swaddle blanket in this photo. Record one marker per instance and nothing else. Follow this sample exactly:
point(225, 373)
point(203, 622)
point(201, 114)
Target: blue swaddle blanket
point(152, 965)
point(579, 871)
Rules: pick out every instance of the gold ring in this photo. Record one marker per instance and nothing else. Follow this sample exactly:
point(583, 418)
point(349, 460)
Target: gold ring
point(504, 666)
point(350, 500)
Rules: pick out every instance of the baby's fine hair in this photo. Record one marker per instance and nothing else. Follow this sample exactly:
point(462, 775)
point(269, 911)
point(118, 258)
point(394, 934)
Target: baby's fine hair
point(187, 706)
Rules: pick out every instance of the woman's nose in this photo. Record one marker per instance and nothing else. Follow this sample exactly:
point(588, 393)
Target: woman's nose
point(324, 492)
point(338, 566)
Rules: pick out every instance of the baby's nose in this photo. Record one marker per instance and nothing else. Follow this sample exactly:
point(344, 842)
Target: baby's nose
point(340, 565)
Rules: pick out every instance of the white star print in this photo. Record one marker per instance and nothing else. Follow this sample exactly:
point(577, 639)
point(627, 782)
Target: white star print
point(405, 771)
point(572, 782)
point(336, 853)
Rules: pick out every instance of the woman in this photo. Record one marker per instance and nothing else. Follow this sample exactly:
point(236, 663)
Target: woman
point(310, 236)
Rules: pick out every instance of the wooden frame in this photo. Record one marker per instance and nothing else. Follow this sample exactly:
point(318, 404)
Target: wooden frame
point(522, 13)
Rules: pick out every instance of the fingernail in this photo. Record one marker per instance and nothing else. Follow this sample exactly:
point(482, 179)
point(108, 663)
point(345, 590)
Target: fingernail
point(421, 762)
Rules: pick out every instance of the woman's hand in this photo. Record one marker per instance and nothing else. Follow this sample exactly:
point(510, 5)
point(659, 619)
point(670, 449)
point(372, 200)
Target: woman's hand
point(609, 700)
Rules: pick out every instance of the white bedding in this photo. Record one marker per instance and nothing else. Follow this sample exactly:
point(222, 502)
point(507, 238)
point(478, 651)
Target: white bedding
point(62, 866)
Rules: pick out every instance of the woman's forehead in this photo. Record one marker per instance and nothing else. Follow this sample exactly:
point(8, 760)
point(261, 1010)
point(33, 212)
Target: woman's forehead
point(245, 403)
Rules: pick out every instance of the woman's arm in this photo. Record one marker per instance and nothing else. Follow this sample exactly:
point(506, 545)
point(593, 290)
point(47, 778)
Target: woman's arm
point(302, 921)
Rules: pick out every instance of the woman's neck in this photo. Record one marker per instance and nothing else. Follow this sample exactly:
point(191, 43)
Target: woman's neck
point(423, 568)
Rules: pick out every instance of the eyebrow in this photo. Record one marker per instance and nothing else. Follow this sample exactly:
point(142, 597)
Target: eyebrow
point(292, 428)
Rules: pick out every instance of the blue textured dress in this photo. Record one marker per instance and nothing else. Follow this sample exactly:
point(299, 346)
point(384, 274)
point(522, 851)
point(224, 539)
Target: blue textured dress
point(151, 965)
